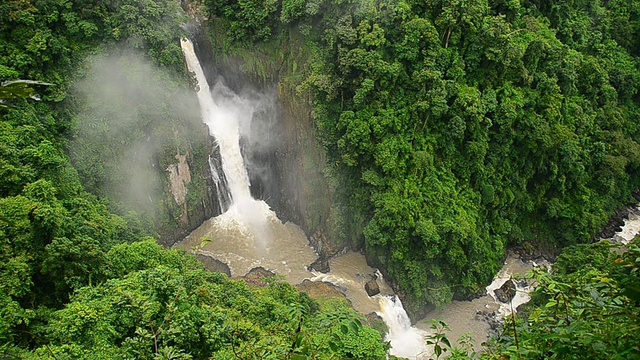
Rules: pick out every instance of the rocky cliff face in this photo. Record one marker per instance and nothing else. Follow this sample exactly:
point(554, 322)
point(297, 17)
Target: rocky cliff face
point(289, 173)
point(190, 192)
point(179, 178)
point(305, 196)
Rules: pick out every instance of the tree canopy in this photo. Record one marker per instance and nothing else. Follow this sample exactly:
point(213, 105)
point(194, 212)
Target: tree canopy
point(79, 281)
point(454, 129)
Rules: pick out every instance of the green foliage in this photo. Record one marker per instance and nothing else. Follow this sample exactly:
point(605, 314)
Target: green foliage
point(18, 89)
point(586, 312)
point(251, 20)
point(453, 128)
point(166, 304)
point(131, 120)
point(54, 236)
point(438, 340)
point(440, 345)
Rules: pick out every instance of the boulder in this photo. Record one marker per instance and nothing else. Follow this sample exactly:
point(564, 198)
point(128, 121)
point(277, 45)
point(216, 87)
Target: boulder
point(372, 288)
point(321, 265)
point(506, 292)
point(319, 289)
point(257, 276)
point(214, 265)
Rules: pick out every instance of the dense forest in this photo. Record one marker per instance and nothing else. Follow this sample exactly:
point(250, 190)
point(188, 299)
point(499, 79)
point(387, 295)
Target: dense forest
point(455, 129)
point(452, 130)
point(79, 277)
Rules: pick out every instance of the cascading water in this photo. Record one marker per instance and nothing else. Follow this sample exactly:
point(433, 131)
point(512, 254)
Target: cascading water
point(219, 181)
point(406, 341)
point(245, 235)
point(248, 233)
point(223, 123)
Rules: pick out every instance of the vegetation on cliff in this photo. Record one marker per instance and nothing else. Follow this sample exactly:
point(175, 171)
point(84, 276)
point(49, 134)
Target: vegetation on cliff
point(78, 281)
point(120, 100)
point(588, 307)
point(155, 303)
point(452, 129)
point(456, 128)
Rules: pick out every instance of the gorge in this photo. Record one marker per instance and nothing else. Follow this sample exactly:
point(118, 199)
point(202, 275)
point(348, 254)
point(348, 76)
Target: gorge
point(248, 234)
point(415, 143)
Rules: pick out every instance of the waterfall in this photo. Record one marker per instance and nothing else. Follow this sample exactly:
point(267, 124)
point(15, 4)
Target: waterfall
point(406, 341)
point(223, 124)
point(219, 181)
point(244, 235)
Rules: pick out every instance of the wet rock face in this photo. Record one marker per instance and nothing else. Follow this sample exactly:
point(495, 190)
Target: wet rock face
point(179, 176)
point(493, 319)
point(615, 224)
point(188, 213)
point(506, 292)
point(321, 265)
point(372, 288)
point(537, 252)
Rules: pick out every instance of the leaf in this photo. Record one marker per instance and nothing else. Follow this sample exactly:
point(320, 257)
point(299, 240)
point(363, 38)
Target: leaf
point(355, 326)
point(18, 89)
point(445, 341)
point(437, 349)
point(333, 346)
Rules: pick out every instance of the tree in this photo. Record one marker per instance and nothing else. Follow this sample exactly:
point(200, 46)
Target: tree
point(588, 307)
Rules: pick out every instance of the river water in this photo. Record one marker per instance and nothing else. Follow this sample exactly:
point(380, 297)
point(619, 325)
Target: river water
point(249, 234)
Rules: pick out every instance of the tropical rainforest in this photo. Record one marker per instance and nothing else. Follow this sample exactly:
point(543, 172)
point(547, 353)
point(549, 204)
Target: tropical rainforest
point(451, 129)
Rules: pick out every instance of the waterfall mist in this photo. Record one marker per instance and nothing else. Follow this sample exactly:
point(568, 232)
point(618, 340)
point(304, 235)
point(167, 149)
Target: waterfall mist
point(256, 115)
point(130, 113)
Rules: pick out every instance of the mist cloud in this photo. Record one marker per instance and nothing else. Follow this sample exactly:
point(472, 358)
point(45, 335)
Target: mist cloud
point(132, 118)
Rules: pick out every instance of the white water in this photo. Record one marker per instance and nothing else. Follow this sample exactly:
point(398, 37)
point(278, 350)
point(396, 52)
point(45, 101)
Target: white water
point(631, 227)
point(223, 120)
point(406, 341)
point(523, 290)
point(222, 191)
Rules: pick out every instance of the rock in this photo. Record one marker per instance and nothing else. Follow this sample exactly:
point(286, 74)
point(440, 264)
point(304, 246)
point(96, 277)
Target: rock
point(373, 316)
point(506, 292)
point(469, 296)
point(531, 250)
point(376, 322)
point(321, 265)
point(257, 276)
point(522, 283)
point(607, 233)
point(319, 289)
point(615, 224)
point(372, 288)
point(214, 265)
point(495, 322)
